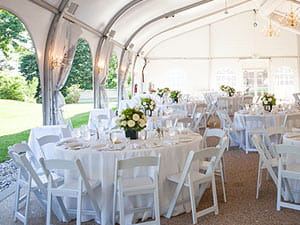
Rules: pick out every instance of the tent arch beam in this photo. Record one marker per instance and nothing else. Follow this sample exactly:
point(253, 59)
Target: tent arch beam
point(122, 11)
point(48, 101)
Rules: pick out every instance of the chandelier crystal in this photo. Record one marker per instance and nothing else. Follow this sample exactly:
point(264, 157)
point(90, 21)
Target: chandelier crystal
point(270, 30)
point(290, 19)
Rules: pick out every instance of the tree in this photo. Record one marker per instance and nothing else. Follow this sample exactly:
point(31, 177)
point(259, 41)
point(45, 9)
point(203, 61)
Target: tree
point(13, 34)
point(112, 76)
point(82, 68)
point(29, 69)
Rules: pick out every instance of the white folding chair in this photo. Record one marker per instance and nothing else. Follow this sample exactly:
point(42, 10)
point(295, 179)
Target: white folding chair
point(187, 122)
point(274, 135)
point(296, 97)
point(287, 172)
point(253, 125)
point(31, 182)
point(74, 189)
point(45, 140)
point(200, 120)
point(265, 161)
point(191, 177)
point(212, 132)
point(219, 164)
point(291, 121)
point(132, 186)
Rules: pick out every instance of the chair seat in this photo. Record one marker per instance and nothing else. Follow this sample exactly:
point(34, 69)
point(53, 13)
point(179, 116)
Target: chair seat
point(205, 164)
point(57, 179)
point(73, 185)
point(196, 176)
point(134, 184)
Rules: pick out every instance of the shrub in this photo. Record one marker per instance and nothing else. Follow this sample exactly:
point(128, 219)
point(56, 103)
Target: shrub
point(73, 94)
point(12, 87)
point(17, 88)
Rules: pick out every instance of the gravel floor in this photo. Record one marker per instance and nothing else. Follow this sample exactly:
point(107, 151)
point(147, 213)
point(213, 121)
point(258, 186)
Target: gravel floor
point(242, 208)
point(7, 174)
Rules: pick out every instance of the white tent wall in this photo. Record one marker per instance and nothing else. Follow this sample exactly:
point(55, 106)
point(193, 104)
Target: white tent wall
point(199, 54)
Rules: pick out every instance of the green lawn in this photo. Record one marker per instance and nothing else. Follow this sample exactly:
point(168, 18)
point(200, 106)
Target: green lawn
point(17, 118)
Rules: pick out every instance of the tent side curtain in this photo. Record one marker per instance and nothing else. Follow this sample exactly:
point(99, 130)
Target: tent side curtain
point(63, 52)
point(124, 66)
point(101, 74)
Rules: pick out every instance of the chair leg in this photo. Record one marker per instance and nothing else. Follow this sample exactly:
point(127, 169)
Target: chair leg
point(27, 202)
point(258, 178)
point(16, 204)
point(122, 209)
point(114, 207)
point(49, 206)
point(78, 214)
point(156, 205)
point(223, 183)
point(192, 199)
point(278, 191)
point(247, 142)
point(215, 199)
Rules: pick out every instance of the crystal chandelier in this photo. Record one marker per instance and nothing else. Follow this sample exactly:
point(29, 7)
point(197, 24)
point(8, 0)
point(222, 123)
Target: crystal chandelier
point(270, 30)
point(290, 19)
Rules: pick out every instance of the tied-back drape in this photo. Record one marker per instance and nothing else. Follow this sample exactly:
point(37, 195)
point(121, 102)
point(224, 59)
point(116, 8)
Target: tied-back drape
point(124, 66)
point(63, 52)
point(101, 72)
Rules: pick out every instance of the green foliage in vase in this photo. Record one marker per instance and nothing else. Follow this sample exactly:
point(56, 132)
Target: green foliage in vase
point(175, 94)
point(132, 118)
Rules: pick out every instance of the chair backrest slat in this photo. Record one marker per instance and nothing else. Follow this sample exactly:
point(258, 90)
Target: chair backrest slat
point(48, 139)
point(138, 162)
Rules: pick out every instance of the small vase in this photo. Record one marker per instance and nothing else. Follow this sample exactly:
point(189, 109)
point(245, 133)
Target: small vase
point(132, 134)
point(268, 108)
point(230, 94)
point(175, 100)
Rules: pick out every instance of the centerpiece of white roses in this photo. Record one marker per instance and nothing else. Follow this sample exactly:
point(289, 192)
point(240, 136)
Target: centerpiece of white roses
point(174, 95)
point(132, 120)
point(148, 106)
point(230, 90)
point(268, 100)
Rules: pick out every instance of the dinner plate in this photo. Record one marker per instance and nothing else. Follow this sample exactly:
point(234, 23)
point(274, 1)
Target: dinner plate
point(183, 140)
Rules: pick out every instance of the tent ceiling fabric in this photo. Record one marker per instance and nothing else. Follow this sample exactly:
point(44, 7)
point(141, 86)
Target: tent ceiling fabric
point(99, 13)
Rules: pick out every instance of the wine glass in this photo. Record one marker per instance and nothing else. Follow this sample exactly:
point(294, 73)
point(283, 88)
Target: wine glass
point(180, 127)
point(143, 134)
point(76, 132)
point(169, 124)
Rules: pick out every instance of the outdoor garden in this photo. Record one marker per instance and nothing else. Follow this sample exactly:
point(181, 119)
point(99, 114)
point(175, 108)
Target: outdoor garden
point(20, 89)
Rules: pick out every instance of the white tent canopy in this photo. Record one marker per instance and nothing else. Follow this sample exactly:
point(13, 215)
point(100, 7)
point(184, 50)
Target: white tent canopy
point(186, 44)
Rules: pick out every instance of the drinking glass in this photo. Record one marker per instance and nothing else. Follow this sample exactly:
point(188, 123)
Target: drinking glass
point(180, 127)
point(76, 132)
point(169, 123)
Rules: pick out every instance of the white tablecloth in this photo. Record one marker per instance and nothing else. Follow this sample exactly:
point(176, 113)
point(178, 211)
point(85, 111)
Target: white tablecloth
point(271, 119)
point(186, 108)
point(293, 160)
point(232, 103)
point(100, 165)
point(40, 132)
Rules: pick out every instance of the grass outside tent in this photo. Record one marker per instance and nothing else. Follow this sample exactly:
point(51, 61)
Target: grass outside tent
point(17, 118)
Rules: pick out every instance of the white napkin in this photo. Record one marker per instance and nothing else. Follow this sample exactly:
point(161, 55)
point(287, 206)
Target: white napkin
point(67, 140)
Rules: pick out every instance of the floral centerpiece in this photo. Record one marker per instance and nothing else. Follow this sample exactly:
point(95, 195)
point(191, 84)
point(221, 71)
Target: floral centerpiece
point(132, 120)
point(174, 95)
point(268, 101)
point(162, 91)
point(148, 105)
point(228, 89)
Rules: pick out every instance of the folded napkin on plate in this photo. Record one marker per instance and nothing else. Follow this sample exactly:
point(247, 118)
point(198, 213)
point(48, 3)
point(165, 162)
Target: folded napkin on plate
point(67, 140)
point(292, 135)
point(74, 144)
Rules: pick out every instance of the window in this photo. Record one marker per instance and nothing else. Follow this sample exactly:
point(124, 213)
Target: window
point(256, 81)
point(284, 82)
point(225, 76)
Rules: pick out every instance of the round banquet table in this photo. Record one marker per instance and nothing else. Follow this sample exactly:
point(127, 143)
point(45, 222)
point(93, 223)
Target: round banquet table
point(271, 120)
point(100, 165)
point(293, 161)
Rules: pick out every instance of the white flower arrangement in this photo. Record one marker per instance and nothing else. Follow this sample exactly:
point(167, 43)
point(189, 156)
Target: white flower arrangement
point(132, 118)
point(148, 104)
point(268, 99)
point(228, 89)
